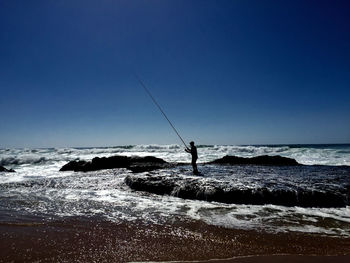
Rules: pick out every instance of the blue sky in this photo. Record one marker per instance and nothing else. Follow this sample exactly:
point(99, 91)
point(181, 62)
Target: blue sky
point(225, 72)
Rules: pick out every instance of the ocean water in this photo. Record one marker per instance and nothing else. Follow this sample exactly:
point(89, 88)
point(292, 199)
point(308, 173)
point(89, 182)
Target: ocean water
point(38, 191)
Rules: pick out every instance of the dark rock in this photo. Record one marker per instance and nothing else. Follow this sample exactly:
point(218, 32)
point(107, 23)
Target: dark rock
point(259, 160)
point(146, 159)
point(74, 166)
point(152, 184)
point(109, 162)
point(147, 164)
point(197, 189)
point(3, 169)
point(136, 164)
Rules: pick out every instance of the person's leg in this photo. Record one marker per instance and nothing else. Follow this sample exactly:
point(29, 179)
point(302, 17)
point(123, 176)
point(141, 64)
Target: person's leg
point(194, 166)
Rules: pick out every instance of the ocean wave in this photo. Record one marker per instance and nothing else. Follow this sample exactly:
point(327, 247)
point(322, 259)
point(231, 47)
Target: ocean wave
point(34, 159)
point(104, 193)
point(124, 147)
point(250, 150)
point(308, 155)
point(157, 147)
point(23, 160)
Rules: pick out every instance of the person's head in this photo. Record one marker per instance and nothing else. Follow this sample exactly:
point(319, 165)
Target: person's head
point(192, 143)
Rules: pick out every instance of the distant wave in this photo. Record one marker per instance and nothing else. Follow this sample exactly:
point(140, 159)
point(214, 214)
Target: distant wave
point(157, 147)
point(304, 154)
point(22, 160)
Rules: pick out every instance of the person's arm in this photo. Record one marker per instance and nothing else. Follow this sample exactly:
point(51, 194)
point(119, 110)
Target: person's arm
point(188, 150)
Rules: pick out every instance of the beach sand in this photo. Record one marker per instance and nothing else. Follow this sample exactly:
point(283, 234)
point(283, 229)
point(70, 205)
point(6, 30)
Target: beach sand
point(96, 240)
point(280, 259)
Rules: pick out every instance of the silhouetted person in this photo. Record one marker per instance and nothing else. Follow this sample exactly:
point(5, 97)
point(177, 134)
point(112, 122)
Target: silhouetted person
point(193, 152)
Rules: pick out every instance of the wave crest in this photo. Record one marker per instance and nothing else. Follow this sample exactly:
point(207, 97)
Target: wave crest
point(23, 160)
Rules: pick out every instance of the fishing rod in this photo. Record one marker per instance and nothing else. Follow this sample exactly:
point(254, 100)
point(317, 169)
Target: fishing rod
point(161, 110)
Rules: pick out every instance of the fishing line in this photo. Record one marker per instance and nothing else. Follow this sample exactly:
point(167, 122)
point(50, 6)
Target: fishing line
point(161, 110)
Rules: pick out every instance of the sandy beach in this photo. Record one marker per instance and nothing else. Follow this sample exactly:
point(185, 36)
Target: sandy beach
point(96, 240)
point(281, 259)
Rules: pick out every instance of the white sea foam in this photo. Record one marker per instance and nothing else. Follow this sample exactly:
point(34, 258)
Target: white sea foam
point(104, 193)
point(311, 155)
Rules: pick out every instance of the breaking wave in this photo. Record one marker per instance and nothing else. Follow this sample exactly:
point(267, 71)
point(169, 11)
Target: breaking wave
point(304, 154)
point(23, 160)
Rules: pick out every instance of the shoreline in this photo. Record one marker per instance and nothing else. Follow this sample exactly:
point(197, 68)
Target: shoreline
point(92, 239)
point(269, 258)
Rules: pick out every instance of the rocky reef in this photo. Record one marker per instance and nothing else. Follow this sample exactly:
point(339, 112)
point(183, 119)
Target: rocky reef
point(150, 163)
point(258, 160)
point(211, 190)
point(135, 164)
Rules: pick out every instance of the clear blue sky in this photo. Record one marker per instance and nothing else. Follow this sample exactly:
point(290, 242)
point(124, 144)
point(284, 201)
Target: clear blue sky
point(225, 72)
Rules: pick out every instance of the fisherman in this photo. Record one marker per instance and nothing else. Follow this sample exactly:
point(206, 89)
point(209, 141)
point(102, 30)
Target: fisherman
point(193, 152)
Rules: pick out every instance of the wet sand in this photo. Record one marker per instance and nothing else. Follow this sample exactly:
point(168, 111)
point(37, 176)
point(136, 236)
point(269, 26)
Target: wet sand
point(95, 240)
point(279, 259)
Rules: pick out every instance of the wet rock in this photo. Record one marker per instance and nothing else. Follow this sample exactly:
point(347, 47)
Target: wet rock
point(146, 159)
point(74, 166)
point(151, 184)
point(259, 160)
point(210, 190)
point(149, 163)
point(3, 169)
point(135, 164)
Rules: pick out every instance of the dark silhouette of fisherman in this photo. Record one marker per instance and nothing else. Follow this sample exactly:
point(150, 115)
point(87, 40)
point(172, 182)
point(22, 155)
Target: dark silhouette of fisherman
point(193, 152)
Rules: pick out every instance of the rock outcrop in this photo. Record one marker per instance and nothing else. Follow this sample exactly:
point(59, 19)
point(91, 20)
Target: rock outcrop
point(149, 163)
point(258, 160)
point(135, 164)
point(210, 190)
point(3, 169)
